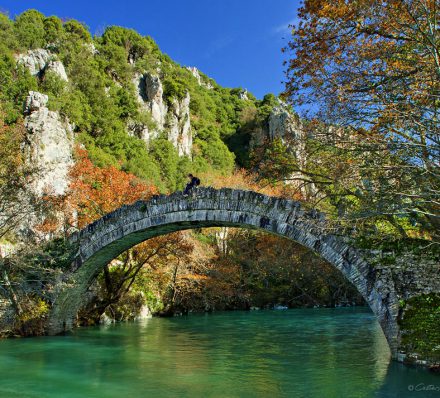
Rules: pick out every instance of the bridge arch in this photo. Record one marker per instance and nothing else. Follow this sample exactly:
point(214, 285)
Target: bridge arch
point(103, 240)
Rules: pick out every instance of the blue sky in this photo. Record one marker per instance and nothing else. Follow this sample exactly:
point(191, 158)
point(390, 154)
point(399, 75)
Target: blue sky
point(236, 42)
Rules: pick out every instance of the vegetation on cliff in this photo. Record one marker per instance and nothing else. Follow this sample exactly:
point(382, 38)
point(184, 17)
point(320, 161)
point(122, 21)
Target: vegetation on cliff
point(369, 158)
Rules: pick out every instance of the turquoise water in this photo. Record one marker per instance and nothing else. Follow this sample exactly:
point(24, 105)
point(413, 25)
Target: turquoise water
point(295, 353)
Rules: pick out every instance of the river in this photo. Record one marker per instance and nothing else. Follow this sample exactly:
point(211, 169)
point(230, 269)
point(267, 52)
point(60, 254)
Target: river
point(287, 353)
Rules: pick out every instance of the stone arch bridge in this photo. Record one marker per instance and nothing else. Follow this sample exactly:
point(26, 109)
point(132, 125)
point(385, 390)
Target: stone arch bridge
point(103, 240)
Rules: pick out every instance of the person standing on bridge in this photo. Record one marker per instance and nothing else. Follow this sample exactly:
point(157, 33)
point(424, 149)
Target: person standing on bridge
point(193, 182)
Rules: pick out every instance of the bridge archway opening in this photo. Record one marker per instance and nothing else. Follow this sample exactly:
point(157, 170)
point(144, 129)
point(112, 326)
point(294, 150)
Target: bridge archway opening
point(102, 241)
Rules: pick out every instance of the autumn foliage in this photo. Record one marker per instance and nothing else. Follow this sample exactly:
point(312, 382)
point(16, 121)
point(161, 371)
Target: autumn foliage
point(245, 180)
point(373, 66)
point(95, 191)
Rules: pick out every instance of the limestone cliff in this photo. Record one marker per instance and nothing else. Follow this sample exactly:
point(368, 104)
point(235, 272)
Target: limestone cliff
point(41, 61)
point(173, 119)
point(149, 95)
point(282, 123)
point(179, 126)
point(286, 125)
point(49, 145)
point(200, 80)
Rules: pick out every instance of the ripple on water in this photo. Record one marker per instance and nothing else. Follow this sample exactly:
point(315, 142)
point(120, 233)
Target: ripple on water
point(294, 353)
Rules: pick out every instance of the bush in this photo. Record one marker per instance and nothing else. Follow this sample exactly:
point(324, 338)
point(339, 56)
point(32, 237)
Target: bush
point(419, 323)
point(29, 28)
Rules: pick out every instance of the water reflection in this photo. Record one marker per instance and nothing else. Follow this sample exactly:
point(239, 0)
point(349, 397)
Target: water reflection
point(295, 353)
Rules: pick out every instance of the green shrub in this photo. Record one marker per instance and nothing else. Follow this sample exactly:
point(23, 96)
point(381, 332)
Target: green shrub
point(29, 28)
point(419, 324)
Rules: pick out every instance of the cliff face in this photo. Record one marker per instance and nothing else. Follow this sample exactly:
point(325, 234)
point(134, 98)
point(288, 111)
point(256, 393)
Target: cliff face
point(49, 140)
point(49, 145)
point(200, 80)
point(110, 93)
point(287, 125)
point(179, 125)
point(282, 123)
point(46, 127)
point(173, 119)
point(41, 61)
point(50, 136)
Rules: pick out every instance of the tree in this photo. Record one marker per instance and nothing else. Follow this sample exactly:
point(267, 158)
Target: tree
point(7, 34)
point(270, 270)
point(375, 67)
point(133, 43)
point(96, 191)
point(76, 30)
point(29, 27)
point(17, 200)
point(53, 28)
point(154, 265)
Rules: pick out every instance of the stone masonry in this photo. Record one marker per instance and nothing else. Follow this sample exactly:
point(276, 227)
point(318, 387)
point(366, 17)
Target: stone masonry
point(103, 240)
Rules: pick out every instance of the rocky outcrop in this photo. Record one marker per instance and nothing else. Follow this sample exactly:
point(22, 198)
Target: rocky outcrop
point(57, 68)
point(196, 73)
point(150, 98)
point(49, 145)
point(91, 47)
point(34, 60)
point(41, 61)
point(285, 124)
point(149, 94)
point(154, 95)
point(173, 119)
point(141, 131)
point(34, 102)
point(179, 125)
point(243, 95)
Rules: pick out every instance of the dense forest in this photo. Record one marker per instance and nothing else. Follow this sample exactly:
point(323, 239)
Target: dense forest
point(138, 123)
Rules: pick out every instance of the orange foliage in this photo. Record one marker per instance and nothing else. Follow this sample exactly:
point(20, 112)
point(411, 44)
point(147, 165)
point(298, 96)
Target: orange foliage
point(95, 191)
point(242, 179)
